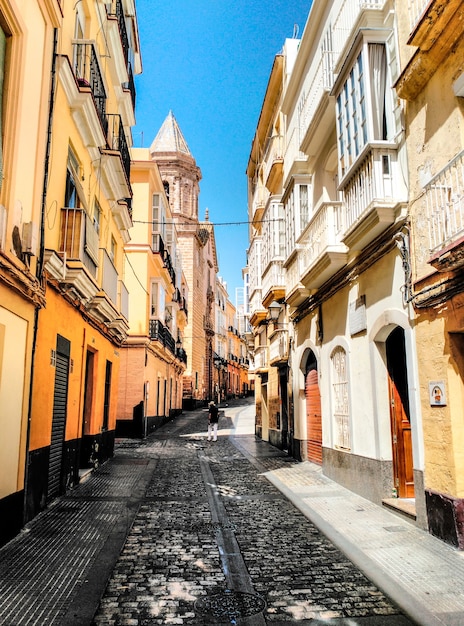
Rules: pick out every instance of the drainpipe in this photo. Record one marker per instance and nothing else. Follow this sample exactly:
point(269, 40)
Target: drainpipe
point(40, 259)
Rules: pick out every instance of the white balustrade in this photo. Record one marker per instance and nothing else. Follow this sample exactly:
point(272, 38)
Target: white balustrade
point(376, 178)
point(273, 277)
point(444, 197)
point(273, 152)
point(416, 10)
point(346, 19)
point(323, 231)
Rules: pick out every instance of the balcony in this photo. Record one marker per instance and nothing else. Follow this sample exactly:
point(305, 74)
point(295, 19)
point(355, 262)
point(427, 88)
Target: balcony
point(416, 9)
point(261, 360)
point(259, 200)
point(117, 41)
point(257, 311)
point(116, 169)
point(273, 283)
point(444, 196)
point(317, 115)
point(83, 86)
point(160, 333)
point(89, 76)
point(375, 194)
point(348, 17)
point(158, 247)
point(322, 253)
point(436, 26)
point(278, 347)
point(273, 163)
point(130, 85)
point(169, 266)
point(296, 292)
point(122, 214)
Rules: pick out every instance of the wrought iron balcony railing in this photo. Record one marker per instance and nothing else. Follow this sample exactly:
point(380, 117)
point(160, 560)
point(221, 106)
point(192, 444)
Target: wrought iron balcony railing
point(115, 9)
point(130, 85)
point(87, 72)
point(116, 138)
point(159, 332)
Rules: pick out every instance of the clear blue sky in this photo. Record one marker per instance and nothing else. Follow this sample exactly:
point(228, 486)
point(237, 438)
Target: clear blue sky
point(209, 62)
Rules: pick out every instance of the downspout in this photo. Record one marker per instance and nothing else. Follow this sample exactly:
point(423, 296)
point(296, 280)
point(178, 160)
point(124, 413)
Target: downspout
point(40, 259)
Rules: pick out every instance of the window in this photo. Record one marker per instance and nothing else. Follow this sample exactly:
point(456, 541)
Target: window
point(157, 301)
point(297, 211)
point(340, 398)
point(364, 104)
point(273, 233)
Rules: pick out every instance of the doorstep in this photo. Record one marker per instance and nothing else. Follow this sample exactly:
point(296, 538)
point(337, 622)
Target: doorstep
point(405, 506)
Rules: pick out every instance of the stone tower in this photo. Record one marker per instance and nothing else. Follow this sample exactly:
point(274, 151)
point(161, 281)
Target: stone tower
point(180, 173)
point(181, 177)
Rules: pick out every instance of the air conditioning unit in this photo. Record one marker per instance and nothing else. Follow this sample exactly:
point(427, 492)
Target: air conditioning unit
point(29, 238)
point(3, 220)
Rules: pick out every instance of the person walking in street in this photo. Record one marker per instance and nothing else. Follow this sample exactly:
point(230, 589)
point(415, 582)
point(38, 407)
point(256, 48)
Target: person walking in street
point(213, 418)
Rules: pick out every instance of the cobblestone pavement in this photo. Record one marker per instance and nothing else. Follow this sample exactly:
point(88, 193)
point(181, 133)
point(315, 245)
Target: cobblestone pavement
point(176, 530)
point(214, 542)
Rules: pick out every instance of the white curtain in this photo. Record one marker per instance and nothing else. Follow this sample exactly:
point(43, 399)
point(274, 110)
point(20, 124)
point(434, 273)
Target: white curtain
point(378, 74)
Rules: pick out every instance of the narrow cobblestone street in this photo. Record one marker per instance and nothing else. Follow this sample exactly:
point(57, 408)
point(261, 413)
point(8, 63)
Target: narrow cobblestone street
point(178, 530)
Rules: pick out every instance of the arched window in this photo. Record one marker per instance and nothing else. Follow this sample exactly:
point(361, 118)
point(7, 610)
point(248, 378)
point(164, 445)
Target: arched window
point(340, 401)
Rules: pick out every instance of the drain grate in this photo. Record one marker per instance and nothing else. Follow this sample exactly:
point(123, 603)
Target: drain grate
point(230, 604)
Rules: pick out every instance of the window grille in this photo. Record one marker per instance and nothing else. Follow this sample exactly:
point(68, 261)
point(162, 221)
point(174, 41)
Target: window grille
point(340, 399)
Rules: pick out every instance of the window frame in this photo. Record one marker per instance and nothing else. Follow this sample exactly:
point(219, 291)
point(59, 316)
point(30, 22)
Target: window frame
point(354, 101)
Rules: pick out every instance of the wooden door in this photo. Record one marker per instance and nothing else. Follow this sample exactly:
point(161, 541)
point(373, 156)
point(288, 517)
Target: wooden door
point(403, 474)
point(313, 417)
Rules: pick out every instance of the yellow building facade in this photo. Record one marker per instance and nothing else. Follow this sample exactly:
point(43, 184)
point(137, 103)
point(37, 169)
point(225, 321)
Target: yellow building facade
point(25, 86)
point(431, 86)
point(86, 222)
point(153, 359)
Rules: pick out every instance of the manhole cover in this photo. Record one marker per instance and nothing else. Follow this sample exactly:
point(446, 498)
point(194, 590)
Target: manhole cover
point(230, 604)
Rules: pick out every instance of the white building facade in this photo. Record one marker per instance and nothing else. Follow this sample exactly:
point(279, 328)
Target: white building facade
point(328, 193)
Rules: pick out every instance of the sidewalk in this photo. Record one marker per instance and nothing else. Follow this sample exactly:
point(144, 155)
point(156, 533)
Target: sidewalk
point(423, 575)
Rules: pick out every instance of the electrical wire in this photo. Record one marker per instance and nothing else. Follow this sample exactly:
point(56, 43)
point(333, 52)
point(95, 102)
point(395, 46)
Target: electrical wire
point(135, 274)
point(277, 219)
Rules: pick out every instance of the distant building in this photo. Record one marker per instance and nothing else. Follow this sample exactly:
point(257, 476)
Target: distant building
point(152, 356)
point(181, 177)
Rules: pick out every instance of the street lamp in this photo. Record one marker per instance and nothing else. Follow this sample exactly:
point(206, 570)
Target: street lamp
point(274, 311)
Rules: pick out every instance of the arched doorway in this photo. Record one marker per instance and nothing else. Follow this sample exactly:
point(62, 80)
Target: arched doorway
point(403, 472)
point(313, 411)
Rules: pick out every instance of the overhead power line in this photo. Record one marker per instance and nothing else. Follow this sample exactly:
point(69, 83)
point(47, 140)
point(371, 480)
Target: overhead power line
point(277, 219)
